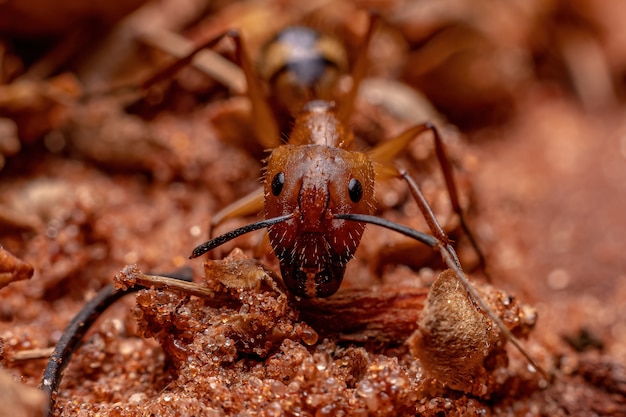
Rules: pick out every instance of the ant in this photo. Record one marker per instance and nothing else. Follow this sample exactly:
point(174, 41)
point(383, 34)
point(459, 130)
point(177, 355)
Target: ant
point(316, 176)
point(318, 192)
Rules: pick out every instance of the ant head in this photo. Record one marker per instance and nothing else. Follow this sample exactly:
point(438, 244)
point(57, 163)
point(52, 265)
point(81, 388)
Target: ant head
point(314, 183)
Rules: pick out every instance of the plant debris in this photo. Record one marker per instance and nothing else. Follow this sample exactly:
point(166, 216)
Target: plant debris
point(236, 343)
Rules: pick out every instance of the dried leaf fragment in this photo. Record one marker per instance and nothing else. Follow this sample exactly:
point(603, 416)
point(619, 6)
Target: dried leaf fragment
point(13, 269)
point(456, 343)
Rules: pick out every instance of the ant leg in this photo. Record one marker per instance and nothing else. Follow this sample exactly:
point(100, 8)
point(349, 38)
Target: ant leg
point(170, 70)
point(263, 119)
point(446, 167)
point(358, 72)
point(186, 53)
point(384, 153)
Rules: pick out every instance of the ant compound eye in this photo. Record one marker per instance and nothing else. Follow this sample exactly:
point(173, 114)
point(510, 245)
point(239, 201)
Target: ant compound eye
point(277, 183)
point(355, 189)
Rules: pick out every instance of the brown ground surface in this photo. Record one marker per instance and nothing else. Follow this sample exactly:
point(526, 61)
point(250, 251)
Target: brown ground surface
point(89, 186)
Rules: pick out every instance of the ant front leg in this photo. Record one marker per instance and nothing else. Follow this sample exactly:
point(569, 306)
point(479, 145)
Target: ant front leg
point(384, 153)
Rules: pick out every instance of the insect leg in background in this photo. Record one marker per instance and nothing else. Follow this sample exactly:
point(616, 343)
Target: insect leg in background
point(384, 154)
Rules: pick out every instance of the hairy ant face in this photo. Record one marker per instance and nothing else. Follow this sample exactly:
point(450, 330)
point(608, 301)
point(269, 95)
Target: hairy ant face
point(316, 182)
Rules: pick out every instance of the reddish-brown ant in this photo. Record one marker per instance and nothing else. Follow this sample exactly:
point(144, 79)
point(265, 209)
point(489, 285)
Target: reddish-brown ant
point(318, 192)
point(317, 175)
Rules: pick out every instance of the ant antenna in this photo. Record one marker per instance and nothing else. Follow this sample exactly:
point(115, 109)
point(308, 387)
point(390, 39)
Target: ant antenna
point(71, 337)
point(220, 240)
point(396, 227)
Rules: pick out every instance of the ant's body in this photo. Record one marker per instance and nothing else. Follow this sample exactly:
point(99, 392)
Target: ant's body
point(317, 174)
point(318, 191)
